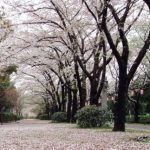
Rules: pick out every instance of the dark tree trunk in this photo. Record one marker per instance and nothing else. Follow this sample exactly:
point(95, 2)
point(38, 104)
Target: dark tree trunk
point(47, 111)
point(77, 77)
point(136, 108)
point(93, 92)
point(81, 83)
point(74, 106)
point(83, 89)
point(59, 106)
point(119, 109)
point(63, 98)
point(69, 105)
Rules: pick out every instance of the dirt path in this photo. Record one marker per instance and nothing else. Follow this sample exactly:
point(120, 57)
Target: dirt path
point(42, 135)
point(138, 127)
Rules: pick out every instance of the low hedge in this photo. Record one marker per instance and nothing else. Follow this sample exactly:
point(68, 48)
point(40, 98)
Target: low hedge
point(59, 117)
point(142, 118)
point(43, 117)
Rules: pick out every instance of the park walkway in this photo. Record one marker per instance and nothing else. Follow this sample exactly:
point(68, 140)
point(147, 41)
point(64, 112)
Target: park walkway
point(42, 135)
point(30, 122)
point(140, 127)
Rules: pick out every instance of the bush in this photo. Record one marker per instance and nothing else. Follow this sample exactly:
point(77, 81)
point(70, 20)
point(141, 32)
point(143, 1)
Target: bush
point(43, 117)
point(92, 116)
point(7, 116)
point(59, 117)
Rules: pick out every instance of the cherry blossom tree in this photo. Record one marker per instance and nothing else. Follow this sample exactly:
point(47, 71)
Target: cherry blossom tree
point(68, 44)
point(119, 14)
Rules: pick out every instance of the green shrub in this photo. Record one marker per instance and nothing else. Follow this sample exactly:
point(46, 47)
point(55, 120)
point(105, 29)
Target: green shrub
point(43, 117)
point(8, 116)
point(92, 116)
point(144, 118)
point(59, 117)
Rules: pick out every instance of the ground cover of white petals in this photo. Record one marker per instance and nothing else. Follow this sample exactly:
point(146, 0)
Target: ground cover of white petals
point(42, 135)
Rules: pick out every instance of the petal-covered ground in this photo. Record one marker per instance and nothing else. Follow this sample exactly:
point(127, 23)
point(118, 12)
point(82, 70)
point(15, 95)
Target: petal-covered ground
point(41, 135)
